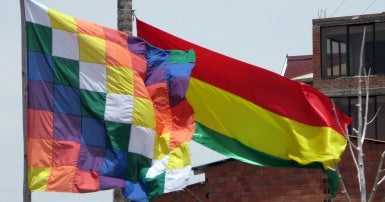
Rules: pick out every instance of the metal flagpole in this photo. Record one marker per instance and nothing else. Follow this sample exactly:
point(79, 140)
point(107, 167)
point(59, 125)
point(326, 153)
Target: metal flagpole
point(26, 192)
point(125, 25)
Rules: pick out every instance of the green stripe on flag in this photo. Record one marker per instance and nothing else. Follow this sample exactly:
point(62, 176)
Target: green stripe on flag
point(219, 143)
point(239, 151)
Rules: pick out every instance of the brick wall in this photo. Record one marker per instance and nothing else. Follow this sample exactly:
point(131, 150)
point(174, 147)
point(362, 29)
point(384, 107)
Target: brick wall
point(236, 181)
point(372, 157)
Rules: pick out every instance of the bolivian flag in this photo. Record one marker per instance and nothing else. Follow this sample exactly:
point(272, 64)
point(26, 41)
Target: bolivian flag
point(257, 116)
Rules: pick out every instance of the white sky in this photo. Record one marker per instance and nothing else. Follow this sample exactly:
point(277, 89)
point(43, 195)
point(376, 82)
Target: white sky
point(257, 32)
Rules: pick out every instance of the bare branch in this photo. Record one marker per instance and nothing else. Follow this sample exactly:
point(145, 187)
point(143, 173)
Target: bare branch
point(338, 121)
point(353, 156)
point(382, 179)
point(351, 143)
point(375, 115)
point(366, 108)
point(376, 182)
point(361, 125)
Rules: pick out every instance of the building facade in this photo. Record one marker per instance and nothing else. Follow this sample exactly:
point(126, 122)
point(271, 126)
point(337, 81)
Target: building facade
point(336, 61)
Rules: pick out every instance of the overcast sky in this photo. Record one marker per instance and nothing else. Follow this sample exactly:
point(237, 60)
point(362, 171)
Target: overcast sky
point(257, 32)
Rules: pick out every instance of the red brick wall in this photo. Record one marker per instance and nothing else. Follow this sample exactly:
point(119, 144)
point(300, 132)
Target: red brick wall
point(236, 181)
point(372, 157)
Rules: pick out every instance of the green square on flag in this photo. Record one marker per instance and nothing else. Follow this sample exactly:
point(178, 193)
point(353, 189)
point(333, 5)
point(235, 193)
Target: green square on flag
point(39, 38)
point(66, 72)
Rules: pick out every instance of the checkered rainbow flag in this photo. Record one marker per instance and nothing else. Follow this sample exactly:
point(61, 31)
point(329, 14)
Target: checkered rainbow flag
point(105, 110)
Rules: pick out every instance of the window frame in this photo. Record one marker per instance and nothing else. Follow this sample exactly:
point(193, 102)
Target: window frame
point(327, 59)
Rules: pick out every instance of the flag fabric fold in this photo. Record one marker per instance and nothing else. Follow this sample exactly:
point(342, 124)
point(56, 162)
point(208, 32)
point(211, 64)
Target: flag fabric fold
point(105, 110)
point(257, 116)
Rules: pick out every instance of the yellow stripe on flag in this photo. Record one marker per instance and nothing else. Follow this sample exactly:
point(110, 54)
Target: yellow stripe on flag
point(261, 129)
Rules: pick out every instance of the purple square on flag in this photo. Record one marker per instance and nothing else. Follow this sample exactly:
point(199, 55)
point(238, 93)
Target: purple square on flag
point(90, 158)
point(40, 95)
point(177, 89)
point(156, 75)
point(110, 183)
point(67, 127)
point(137, 45)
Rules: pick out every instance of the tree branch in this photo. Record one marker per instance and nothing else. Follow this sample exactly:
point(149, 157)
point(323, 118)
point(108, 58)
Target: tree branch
point(376, 182)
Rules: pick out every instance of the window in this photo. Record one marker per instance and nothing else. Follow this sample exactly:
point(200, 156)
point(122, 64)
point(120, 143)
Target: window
point(334, 58)
point(375, 130)
point(370, 131)
point(355, 41)
point(341, 47)
point(379, 48)
point(380, 120)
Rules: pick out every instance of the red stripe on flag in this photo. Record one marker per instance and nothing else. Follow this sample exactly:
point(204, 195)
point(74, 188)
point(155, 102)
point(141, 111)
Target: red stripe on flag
point(264, 88)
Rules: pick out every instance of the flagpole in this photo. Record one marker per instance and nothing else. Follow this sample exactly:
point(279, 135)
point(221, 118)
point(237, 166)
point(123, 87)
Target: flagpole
point(125, 25)
point(26, 192)
point(125, 16)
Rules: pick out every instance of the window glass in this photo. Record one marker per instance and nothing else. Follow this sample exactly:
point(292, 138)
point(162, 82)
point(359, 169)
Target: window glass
point(335, 65)
point(355, 41)
point(342, 103)
point(341, 50)
point(380, 119)
point(333, 48)
point(379, 48)
point(371, 128)
point(343, 59)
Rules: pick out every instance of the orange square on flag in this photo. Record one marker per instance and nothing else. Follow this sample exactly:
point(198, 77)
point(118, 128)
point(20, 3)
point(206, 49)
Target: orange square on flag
point(140, 89)
point(90, 28)
point(180, 136)
point(117, 55)
point(39, 152)
point(139, 64)
point(86, 181)
point(164, 121)
point(65, 153)
point(159, 95)
point(61, 179)
point(120, 38)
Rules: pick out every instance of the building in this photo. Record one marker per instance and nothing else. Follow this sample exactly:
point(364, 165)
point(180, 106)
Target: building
point(299, 68)
point(333, 69)
point(336, 59)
